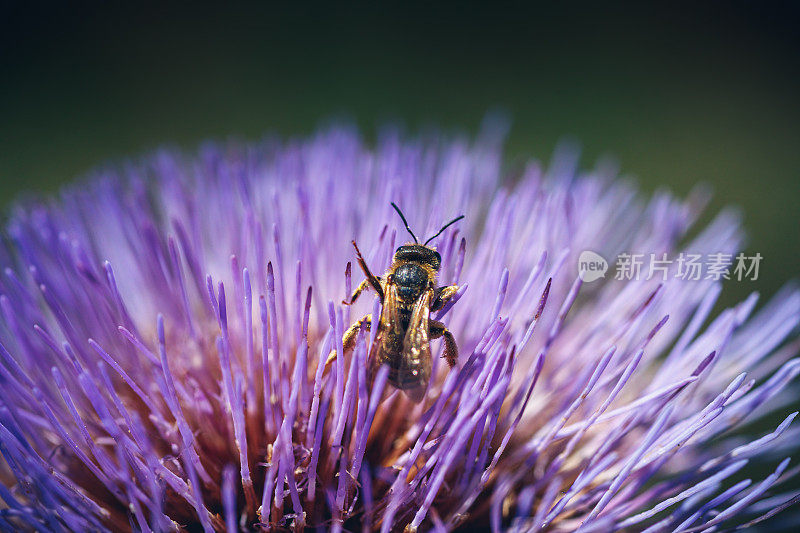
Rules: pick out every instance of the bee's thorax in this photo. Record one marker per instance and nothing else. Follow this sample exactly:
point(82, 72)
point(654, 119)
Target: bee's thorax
point(411, 279)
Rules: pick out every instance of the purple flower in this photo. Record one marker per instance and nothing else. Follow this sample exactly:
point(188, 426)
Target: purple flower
point(164, 324)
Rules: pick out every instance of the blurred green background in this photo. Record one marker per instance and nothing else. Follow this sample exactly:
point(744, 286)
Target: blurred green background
point(678, 93)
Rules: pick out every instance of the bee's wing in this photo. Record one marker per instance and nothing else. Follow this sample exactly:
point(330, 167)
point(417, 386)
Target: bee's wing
point(389, 342)
point(415, 363)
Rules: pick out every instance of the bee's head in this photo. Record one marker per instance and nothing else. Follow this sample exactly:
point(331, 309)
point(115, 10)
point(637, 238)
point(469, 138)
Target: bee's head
point(418, 253)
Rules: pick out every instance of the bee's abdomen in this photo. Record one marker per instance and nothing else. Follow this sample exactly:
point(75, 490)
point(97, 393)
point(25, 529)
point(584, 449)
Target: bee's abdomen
point(403, 373)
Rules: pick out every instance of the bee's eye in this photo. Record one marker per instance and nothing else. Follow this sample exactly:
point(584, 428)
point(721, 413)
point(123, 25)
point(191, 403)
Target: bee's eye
point(438, 257)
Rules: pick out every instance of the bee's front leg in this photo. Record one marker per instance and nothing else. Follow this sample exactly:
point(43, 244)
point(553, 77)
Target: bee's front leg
point(348, 340)
point(443, 294)
point(361, 287)
point(437, 329)
point(373, 280)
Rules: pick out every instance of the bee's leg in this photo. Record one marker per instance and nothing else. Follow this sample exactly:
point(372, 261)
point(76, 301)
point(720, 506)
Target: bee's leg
point(373, 280)
point(437, 329)
point(364, 285)
point(443, 294)
point(348, 340)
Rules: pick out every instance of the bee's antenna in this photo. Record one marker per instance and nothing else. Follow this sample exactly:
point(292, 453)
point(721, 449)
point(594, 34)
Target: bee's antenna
point(444, 228)
point(406, 223)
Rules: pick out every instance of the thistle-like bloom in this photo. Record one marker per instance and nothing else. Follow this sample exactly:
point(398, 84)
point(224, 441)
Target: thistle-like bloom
point(165, 326)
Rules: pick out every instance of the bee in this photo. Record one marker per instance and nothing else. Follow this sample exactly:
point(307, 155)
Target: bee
point(408, 293)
